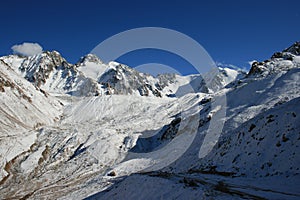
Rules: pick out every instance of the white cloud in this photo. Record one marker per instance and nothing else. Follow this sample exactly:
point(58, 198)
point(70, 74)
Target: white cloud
point(27, 49)
point(251, 62)
point(224, 65)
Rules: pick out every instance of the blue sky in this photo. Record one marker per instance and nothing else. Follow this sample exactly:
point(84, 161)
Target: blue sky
point(232, 32)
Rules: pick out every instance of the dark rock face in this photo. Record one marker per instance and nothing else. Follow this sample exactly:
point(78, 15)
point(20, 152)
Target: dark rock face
point(171, 130)
point(277, 55)
point(255, 69)
point(294, 49)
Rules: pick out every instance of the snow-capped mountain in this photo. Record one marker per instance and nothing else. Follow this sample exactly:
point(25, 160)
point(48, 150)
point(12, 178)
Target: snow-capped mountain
point(52, 73)
point(106, 131)
point(91, 77)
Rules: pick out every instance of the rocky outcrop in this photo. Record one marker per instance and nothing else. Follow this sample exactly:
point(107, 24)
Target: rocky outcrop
point(279, 61)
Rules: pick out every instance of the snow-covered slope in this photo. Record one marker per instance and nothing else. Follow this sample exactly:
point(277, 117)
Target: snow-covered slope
point(106, 131)
point(23, 108)
point(256, 156)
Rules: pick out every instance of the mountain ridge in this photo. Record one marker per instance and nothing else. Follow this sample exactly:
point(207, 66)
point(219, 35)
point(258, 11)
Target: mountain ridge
point(100, 131)
point(52, 73)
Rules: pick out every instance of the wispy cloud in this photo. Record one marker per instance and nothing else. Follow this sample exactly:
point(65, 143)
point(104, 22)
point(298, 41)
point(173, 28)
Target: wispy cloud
point(231, 66)
point(251, 62)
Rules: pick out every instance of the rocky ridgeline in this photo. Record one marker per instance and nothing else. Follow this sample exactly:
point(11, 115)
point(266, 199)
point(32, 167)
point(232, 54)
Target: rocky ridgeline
point(280, 61)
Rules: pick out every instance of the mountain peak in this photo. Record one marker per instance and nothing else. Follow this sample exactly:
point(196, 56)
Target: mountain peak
point(89, 58)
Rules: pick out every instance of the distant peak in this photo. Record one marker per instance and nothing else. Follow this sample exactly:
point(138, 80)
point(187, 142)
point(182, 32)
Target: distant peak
point(89, 58)
point(113, 64)
point(52, 54)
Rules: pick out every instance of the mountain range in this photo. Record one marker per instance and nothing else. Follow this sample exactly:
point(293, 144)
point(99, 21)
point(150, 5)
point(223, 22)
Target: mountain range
point(95, 130)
